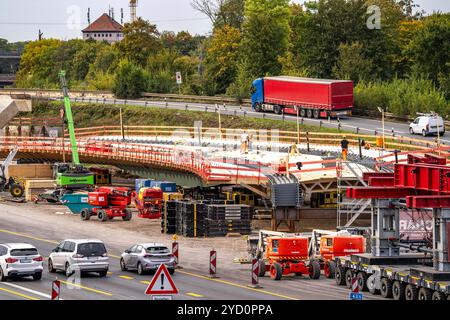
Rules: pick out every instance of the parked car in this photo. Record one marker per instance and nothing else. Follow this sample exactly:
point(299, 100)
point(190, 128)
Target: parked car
point(146, 257)
point(20, 260)
point(85, 255)
point(426, 125)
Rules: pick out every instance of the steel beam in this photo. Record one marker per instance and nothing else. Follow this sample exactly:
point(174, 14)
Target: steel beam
point(379, 192)
point(421, 202)
point(381, 181)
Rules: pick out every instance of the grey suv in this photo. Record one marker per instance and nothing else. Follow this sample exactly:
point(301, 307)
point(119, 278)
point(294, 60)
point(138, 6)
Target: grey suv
point(145, 257)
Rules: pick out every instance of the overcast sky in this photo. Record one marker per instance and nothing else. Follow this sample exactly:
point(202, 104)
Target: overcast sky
point(21, 19)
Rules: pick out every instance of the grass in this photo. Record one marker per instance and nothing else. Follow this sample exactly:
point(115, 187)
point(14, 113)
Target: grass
point(90, 115)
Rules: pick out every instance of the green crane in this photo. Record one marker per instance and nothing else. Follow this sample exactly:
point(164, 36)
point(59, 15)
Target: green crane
point(71, 176)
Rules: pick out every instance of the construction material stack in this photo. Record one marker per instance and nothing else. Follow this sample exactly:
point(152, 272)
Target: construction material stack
point(190, 218)
point(169, 217)
point(224, 219)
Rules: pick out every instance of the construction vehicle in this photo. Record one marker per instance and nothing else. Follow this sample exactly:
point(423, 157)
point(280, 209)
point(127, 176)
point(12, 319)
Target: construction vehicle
point(423, 271)
point(324, 200)
point(107, 203)
point(283, 254)
point(325, 246)
point(12, 184)
point(149, 202)
point(71, 176)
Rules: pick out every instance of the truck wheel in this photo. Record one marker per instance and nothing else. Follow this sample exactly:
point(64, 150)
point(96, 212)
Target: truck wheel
point(102, 216)
point(425, 294)
point(371, 285)
point(277, 109)
point(302, 113)
point(262, 268)
point(257, 107)
point(386, 288)
point(314, 269)
point(316, 113)
point(330, 269)
point(411, 292)
point(276, 271)
point(17, 190)
point(348, 278)
point(309, 113)
point(424, 133)
point(398, 290)
point(361, 277)
point(85, 214)
point(437, 295)
point(339, 276)
point(128, 215)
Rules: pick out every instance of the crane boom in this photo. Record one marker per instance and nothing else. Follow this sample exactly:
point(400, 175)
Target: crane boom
point(70, 124)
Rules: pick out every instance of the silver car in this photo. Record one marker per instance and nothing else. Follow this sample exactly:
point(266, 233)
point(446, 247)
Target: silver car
point(84, 255)
point(20, 260)
point(146, 257)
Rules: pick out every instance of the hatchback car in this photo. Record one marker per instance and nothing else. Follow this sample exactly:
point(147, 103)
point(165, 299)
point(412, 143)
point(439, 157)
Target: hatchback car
point(85, 255)
point(146, 257)
point(429, 124)
point(20, 260)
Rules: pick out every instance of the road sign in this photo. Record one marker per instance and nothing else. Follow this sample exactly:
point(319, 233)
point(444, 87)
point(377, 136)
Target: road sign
point(162, 283)
point(356, 296)
point(56, 289)
point(163, 297)
point(179, 78)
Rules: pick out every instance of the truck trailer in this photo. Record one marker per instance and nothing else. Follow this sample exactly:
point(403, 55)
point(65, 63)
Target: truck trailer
point(312, 98)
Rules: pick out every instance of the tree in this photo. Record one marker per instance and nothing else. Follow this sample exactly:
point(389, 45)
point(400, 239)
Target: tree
point(129, 81)
point(352, 63)
point(221, 12)
point(141, 39)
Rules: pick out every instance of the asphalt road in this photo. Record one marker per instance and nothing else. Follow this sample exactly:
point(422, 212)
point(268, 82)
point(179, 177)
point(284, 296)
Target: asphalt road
point(350, 124)
point(25, 225)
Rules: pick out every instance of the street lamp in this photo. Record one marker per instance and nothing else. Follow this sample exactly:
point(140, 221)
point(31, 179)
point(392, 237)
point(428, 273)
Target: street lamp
point(382, 122)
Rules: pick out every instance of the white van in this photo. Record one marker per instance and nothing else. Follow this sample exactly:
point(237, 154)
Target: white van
point(426, 125)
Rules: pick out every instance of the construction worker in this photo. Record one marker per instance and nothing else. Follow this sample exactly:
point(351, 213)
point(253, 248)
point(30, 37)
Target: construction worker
point(344, 146)
point(244, 142)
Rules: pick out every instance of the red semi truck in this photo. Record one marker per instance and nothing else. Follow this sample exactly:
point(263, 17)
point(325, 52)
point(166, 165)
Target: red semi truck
point(313, 98)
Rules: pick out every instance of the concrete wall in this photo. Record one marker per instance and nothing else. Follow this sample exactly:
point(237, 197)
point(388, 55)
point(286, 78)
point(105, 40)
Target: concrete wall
point(10, 106)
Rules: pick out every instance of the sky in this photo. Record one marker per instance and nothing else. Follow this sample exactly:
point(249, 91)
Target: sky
point(20, 20)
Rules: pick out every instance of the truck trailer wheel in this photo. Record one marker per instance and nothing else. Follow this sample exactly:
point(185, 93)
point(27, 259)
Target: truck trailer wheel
point(339, 276)
point(302, 113)
point(276, 271)
point(316, 113)
point(309, 113)
point(277, 110)
point(386, 288)
point(314, 269)
point(348, 278)
point(425, 294)
point(330, 269)
point(411, 292)
point(361, 277)
point(371, 285)
point(398, 290)
point(437, 295)
point(262, 268)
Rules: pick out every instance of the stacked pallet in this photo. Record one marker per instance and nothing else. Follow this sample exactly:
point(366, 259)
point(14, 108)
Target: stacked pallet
point(224, 219)
point(190, 220)
point(169, 219)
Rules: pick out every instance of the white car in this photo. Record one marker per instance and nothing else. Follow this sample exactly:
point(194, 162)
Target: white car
point(20, 260)
point(83, 255)
point(426, 125)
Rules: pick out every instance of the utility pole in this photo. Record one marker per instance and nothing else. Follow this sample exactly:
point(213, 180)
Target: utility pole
point(40, 34)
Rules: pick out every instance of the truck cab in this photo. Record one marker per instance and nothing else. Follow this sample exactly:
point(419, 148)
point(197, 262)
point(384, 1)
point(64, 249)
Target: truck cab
point(257, 94)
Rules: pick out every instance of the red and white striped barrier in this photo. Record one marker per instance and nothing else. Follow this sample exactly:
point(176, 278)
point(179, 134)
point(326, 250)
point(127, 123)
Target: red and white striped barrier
point(355, 288)
point(212, 263)
point(255, 273)
point(56, 289)
point(175, 253)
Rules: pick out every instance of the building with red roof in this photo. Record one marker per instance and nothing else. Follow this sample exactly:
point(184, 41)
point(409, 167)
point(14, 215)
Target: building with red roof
point(104, 28)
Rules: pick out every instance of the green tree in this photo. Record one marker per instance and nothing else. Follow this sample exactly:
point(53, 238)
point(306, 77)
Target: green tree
point(141, 39)
point(352, 63)
point(129, 81)
point(221, 12)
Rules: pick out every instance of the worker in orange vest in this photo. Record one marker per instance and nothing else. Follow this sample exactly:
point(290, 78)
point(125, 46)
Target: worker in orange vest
point(344, 146)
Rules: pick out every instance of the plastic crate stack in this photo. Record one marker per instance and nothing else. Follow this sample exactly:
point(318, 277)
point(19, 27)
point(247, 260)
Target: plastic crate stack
point(170, 208)
point(224, 219)
point(190, 220)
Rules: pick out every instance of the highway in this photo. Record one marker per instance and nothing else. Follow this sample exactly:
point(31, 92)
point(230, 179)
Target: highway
point(40, 226)
point(350, 124)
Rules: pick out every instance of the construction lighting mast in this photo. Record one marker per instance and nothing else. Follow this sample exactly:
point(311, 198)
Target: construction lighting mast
point(133, 6)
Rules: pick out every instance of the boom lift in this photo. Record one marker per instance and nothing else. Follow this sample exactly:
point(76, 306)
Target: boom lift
point(13, 185)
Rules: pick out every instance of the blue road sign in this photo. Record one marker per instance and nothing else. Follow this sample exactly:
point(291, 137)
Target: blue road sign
point(356, 296)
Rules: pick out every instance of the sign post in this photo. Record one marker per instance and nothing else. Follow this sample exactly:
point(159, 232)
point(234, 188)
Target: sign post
point(56, 289)
point(175, 252)
point(255, 273)
point(355, 294)
point(179, 80)
point(212, 263)
point(162, 286)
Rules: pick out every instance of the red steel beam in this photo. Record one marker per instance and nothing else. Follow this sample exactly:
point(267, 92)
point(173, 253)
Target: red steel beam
point(368, 175)
point(381, 181)
point(379, 192)
point(432, 178)
point(421, 202)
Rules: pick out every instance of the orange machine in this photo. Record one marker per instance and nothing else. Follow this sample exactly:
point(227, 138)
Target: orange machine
point(338, 245)
point(149, 202)
point(287, 255)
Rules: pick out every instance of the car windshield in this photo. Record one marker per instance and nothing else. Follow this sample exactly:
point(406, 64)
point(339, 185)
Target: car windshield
point(24, 252)
point(157, 250)
point(91, 249)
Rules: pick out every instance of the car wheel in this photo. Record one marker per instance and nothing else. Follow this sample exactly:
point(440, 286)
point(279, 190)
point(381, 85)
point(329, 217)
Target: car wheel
point(37, 276)
point(123, 266)
point(51, 269)
point(2, 275)
point(103, 273)
point(140, 269)
point(424, 133)
point(411, 131)
point(67, 270)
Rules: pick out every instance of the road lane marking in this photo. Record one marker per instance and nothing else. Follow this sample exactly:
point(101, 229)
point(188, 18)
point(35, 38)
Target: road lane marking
point(86, 288)
point(28, 236)
point(195, 295)
point(237, 285)
point(38, 293)
point(126, 277)
point(18, 294)
point(145, 282)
